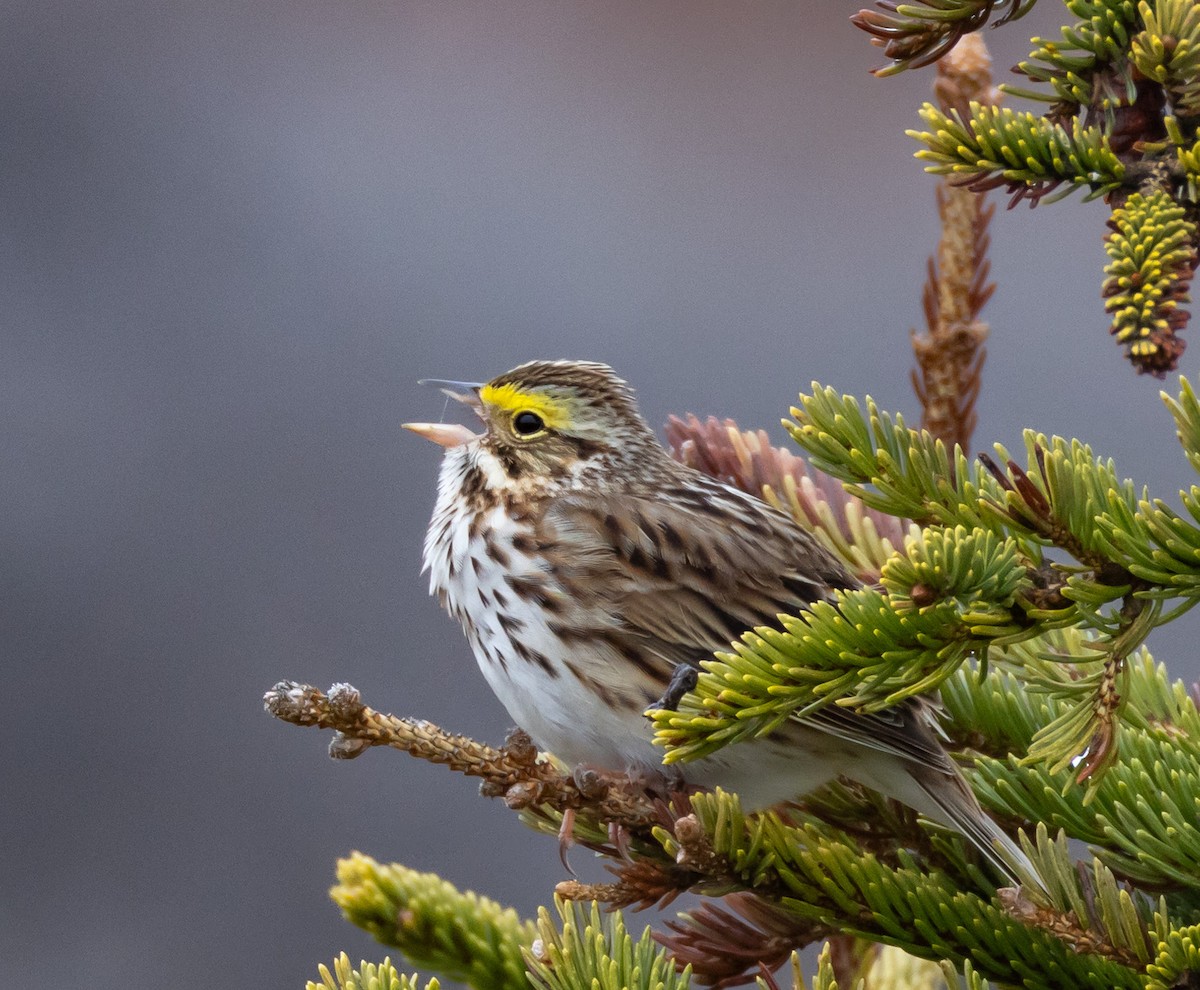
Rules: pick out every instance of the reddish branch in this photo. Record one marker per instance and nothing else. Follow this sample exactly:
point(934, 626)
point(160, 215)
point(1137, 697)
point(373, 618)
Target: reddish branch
point(950, 353)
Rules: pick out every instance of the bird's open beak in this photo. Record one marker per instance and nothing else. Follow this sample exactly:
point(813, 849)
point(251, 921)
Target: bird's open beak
point(446, 434)
point(450, 434)
point(465, 392)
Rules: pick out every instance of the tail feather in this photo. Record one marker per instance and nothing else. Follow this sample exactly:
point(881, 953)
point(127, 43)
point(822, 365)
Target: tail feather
point(950, 801)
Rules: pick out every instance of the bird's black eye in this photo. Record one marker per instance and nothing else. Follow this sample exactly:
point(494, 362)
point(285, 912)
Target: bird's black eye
point(527, 423)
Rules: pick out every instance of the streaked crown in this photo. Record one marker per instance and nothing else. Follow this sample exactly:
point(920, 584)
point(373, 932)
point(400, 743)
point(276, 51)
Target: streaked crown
point(550, 413)
point(576, 398)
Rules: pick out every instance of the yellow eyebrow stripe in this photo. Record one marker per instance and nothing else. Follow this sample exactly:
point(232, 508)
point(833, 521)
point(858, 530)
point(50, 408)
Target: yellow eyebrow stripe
point(554, 412)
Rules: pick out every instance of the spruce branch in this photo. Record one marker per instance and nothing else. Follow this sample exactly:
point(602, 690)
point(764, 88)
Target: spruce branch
point(824, 979)
point(1186, 167)
point(908, 472)
point(822, 876)
point(1085, 735)
point(883, 967)
point(1140, 817)
point(957, 591)
point(368, 976)
point(590, 951)
point(514, 772)
point(1159, 546)
point(1030, 156)
point(889, 968)
point(1167, 51)
point(644, 879)
point(975, 567)
point(1185, 410)
point(726, 953)
point(1088, 65)
point(1091, 911)
point(1055, 499)
point(916, 34)
point(889, 467)
point(971, 979)
point(1177, 965)
point(859, 649)
point(1111, 76)
point(459, 934)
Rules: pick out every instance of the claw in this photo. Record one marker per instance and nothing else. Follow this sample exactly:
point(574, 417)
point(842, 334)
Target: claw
point(566, 838)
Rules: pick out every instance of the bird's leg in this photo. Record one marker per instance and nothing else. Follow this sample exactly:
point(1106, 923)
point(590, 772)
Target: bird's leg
point(618, 835)
point(683, 679)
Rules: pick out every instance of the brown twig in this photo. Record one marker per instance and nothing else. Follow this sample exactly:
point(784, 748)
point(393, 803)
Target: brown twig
point(640, 883)
point(1066, 927)
point(514, 772)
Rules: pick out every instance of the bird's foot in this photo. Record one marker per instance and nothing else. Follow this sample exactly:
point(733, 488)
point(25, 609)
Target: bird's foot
point(519, 747)
point(683, 679)
point(591, 783)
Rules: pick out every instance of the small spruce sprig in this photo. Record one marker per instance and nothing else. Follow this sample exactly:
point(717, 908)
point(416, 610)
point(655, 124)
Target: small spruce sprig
point(884, 968)
point(460, 935)
point(997, 147)
point(999, 717)
point(368, 976)
point(1178, 958)
point(1088, 65)
point(1167, 51)
point(589, 950)
point(917, 34)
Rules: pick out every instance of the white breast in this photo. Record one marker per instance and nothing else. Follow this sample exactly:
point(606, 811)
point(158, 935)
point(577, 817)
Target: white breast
point(512, 640)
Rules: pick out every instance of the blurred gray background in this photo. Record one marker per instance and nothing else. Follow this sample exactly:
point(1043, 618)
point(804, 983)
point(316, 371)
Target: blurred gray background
point(234, 236)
